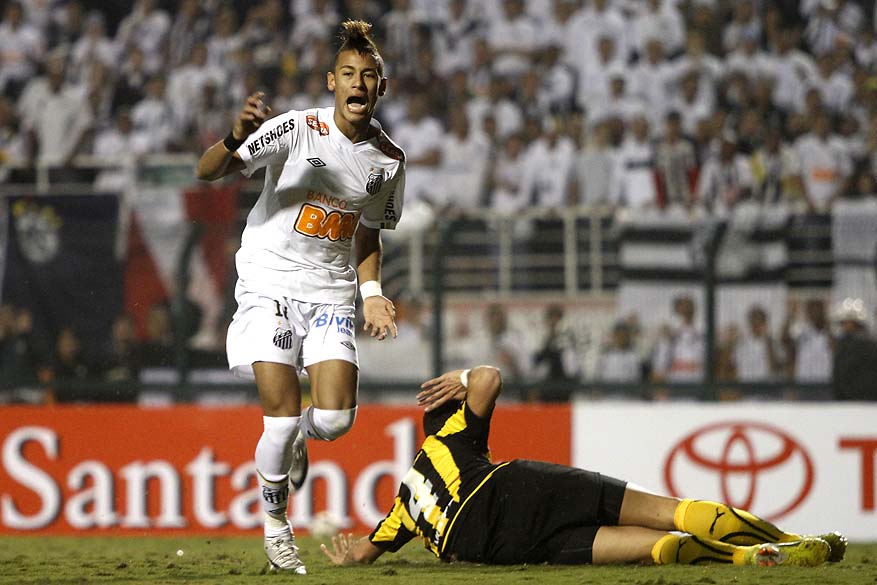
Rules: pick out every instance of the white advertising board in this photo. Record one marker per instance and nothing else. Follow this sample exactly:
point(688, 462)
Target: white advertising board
point(809, 467)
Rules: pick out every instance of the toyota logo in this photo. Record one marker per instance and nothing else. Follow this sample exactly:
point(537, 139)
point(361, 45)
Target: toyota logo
point(746, 459)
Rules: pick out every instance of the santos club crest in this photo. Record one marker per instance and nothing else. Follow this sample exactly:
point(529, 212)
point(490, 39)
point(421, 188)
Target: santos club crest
point(375, 181)
point(38, 229)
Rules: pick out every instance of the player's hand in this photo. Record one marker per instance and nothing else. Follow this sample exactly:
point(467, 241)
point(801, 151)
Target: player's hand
point(380, 317)
point(439, 390)
point(251, 117)
point(340, 553)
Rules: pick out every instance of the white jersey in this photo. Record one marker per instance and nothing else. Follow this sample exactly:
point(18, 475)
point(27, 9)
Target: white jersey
point(318, 187)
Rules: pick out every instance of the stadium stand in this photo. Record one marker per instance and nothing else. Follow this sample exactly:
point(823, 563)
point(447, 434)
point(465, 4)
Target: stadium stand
point(572, 161)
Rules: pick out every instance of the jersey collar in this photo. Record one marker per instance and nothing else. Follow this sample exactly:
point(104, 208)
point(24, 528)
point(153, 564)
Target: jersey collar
point(338, 137)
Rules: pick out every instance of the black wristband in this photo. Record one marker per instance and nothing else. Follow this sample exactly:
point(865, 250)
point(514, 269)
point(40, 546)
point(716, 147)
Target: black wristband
point(231, 143)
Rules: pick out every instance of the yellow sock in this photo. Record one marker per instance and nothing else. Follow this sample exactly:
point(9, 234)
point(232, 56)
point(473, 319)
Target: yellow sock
point(716, 521)
point(691, 550)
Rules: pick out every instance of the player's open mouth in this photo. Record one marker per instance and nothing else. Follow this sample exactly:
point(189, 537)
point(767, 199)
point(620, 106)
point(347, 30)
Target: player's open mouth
point(357, 104)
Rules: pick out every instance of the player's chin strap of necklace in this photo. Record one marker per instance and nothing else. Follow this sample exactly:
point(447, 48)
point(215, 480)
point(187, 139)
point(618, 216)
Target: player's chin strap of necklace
point(464, 378)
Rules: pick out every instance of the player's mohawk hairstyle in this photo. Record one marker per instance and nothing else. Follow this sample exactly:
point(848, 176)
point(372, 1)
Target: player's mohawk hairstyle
point(356, 36)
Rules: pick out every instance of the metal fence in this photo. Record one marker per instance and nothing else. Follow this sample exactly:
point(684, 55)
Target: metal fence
point(540, 256)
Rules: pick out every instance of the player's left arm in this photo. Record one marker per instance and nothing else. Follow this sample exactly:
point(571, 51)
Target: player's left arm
point(378, 310)
point(349, 551)
point(479, 387)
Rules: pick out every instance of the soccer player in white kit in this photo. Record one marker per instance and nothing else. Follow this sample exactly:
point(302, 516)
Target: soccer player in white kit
point(333, 180)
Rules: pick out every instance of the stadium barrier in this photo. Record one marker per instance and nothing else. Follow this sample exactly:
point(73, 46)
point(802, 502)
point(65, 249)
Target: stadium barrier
point(189, 470)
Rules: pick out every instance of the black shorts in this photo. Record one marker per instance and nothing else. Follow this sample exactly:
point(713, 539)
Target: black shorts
point(536, 512)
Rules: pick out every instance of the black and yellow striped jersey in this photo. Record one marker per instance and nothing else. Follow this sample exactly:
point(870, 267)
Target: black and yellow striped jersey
point(451, 466)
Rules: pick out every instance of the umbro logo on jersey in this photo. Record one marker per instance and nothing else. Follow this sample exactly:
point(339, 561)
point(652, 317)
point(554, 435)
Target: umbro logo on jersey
point(316, 162)
point(348, 345)
point(283, 338)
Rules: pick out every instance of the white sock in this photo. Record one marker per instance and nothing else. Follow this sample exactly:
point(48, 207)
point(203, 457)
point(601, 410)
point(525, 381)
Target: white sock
point(273, 458)
point(275, 527)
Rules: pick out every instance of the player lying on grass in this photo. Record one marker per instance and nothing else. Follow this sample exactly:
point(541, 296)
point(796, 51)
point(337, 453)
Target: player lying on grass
point(467, 508)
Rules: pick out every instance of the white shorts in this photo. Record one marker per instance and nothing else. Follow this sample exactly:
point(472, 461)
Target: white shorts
point(290, 332)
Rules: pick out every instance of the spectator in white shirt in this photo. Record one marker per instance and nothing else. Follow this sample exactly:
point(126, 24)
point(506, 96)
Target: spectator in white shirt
point(506, 112)
point(185, 85)
point(548, 168)
point(558, 80)
point(600, 18)
point(420, 135)
point(152, 117)
point(21, 48)
point(57, 113)
point(506, 177)
point(679, 353)
point(191, 26)
point(513, 39)
point(834, 85)
point(825, 165)
point(825, 29)
point(694, 100)
point(676, 163)
point(866, 49)
point(745, 24)
point(749, 60)
point(809, 343)
point(635, 180)
point(93, 46)
point(658, 19)
point(454, 38)
point(697, 58)
point(792, 70)
point(620, 104)
point(650, 80)
point(619, 360)
point(112, 145)
point(596, 168)
point(594, 74)
point(225, 40)
point(753, 356)
point(726, 178)
point(465, 154)
point(400, 25)
point(146, 27)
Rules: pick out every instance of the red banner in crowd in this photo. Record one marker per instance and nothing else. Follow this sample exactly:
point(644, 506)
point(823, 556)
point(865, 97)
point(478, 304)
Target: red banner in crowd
point(189, 470)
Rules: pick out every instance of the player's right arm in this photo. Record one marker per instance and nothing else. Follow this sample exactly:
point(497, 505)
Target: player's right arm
point(347, 551)
point(218, 161)
point(480, 390)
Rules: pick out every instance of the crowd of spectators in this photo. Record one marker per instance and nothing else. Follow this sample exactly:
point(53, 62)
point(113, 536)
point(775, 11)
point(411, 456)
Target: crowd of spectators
point(41, 369)
point(498, 103)
point(692, 105)
point(810, 346)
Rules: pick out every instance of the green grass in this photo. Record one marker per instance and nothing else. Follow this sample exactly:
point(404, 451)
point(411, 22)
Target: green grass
point(130, 560)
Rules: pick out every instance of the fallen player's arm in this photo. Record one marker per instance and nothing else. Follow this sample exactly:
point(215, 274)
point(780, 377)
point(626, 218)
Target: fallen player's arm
point(479, 387)
point(349, 551)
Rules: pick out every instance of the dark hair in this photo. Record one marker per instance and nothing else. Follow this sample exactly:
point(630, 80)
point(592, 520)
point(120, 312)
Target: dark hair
point(356, 36)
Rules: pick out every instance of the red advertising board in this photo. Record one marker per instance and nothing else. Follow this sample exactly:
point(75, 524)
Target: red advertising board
point(189, 470)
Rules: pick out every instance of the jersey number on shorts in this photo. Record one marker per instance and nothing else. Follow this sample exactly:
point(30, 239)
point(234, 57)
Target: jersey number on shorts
point(316, 222)
point(279, 313)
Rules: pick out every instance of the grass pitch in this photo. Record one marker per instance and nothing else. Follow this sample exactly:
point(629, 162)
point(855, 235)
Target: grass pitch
point(131, 560)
